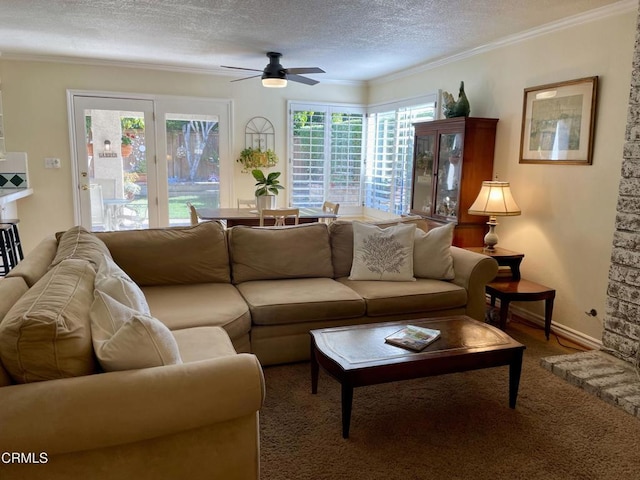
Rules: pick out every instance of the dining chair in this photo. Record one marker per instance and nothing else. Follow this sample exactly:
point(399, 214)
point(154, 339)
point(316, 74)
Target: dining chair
point(280, 215)
point(247, 202)
point(193, 214)
point(330, 207)
point(98, 212)
point(132, 216)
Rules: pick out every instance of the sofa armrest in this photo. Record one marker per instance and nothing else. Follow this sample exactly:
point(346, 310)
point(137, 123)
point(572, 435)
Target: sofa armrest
point(102, 410)
point(473, 271)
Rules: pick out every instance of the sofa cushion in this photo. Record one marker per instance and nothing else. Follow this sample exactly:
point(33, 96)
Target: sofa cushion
point(125, 339)
point(398, 298)
point(79, 243)
point(274, 302)
point(171, 256)
point(383, 253)
point(198, 305)
point(11, 289)
point(300, 251)
point(46, 334)
point(203, 343)
point(37, 263)
point(341, 237)
point(432, 253)
point(113, 281)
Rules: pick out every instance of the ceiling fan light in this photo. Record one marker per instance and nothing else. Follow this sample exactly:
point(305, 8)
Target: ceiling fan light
point(274, 82)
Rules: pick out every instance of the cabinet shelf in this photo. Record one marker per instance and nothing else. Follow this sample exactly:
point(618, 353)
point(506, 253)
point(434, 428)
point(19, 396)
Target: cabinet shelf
point(451, 159)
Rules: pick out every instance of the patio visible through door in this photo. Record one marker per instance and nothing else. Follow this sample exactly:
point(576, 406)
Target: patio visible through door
point(129, 179)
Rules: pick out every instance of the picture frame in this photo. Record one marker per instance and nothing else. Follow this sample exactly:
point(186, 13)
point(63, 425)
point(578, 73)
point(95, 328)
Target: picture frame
point(558, 121)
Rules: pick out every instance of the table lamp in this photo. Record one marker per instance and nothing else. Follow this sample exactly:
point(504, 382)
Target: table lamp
point(494, 199)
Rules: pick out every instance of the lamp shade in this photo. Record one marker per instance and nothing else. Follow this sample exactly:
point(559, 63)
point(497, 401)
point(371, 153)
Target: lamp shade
point(495, 199)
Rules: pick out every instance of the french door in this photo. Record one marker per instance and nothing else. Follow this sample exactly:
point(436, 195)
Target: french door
point(140, 162)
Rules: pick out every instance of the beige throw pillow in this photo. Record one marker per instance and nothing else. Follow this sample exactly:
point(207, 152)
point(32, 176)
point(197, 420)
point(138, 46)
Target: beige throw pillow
point(382, 253)
point(432, 253)
point(46, 335)
point(125, 339)
point(113, 281)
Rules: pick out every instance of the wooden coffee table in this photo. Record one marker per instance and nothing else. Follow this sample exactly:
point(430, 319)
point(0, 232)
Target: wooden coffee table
point(358, 355)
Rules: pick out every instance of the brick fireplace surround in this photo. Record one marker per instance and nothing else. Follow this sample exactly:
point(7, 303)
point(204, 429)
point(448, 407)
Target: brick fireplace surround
point(612, 373)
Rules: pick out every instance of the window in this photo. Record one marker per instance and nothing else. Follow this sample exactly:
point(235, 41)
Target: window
point(326, 154)
point(387, 182)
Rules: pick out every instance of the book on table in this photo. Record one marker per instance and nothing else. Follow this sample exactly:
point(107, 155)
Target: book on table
point(413, 337)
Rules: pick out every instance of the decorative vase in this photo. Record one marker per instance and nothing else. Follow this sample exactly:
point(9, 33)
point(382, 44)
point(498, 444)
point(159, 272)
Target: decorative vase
point(462, 105)
point(267, 202)
point(459, 108)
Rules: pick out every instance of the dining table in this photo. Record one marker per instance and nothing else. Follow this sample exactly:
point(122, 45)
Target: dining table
point(251, 217)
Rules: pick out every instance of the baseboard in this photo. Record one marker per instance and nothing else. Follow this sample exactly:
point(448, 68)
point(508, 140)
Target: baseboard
point(559, 329)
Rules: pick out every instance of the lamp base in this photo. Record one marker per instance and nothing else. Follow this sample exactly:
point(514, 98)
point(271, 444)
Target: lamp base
point(491, 238)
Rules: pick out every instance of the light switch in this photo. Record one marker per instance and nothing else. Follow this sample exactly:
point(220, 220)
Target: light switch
point(50, 162)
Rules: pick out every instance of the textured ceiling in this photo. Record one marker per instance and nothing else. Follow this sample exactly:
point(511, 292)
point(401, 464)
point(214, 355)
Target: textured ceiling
point(350, 39)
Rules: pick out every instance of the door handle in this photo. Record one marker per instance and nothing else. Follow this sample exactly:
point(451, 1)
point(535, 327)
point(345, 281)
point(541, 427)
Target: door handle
point(85, 187)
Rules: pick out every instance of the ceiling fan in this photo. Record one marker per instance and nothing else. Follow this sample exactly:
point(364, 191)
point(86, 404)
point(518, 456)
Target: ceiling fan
point(275, 75)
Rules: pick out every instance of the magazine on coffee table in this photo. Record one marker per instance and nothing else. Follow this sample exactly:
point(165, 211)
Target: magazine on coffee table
point(413, 337)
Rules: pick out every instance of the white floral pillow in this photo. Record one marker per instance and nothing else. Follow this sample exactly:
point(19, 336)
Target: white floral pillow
point(383, 253)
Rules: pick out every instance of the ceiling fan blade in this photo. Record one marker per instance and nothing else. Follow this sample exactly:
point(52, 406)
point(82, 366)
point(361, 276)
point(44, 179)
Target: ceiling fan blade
point(240, 68)
point(245, 78)
point(304, 70)
point(301, 79)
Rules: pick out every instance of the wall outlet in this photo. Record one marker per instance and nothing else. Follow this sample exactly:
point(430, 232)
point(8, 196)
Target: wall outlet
point(51, 162)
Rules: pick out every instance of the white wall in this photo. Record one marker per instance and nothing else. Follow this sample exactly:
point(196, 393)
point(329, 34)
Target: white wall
point(35, 113)
point(568, 215)
point(568, 212)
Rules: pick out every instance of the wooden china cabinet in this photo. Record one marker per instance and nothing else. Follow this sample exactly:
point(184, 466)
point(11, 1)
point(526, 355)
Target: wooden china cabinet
point(451, 159)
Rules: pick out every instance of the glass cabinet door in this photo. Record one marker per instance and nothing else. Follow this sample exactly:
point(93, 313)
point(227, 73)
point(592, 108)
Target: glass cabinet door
point(448, 179)
point(423, 173)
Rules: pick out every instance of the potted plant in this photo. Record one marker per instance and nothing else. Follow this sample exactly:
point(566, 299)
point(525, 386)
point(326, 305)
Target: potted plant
point(267, 189)
point(126, 148)
point(252, 158)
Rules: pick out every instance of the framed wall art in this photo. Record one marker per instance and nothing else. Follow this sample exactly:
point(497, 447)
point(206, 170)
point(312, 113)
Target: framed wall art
point(558, 120)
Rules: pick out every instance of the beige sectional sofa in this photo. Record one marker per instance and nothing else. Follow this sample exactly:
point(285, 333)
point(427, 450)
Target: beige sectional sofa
point(228, 298)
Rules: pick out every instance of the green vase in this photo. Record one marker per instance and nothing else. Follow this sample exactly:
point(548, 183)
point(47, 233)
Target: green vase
point(462, 105)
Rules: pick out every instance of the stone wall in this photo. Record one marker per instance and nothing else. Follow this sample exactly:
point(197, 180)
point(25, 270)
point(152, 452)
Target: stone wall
point(622, 319)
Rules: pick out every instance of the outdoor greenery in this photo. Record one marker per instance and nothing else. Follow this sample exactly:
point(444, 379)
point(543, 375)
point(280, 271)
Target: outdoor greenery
point(251, 158)
point(178, 205)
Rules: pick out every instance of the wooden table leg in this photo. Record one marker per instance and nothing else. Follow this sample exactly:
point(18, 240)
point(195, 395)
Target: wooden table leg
point(548, 311)
point(347, 401)
point(515, 369)
point(315, 370)
point(504, 312)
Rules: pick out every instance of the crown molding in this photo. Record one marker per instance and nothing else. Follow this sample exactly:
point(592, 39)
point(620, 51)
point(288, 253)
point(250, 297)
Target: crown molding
point(624, 6)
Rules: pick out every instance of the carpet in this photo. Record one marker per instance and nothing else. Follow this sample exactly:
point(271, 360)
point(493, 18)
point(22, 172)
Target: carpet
point(451, 427)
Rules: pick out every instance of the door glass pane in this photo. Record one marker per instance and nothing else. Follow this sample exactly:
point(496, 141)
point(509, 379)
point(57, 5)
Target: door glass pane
point(117, 169)
point(423, 174)
point(193, 164)
point(449, 168)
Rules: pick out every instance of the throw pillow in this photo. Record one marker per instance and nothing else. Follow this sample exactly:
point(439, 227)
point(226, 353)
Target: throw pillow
point(113, 281)
point(432, 253)
point(382, 253)
point(46, 334)
point(80, 243)
point(124, 339)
